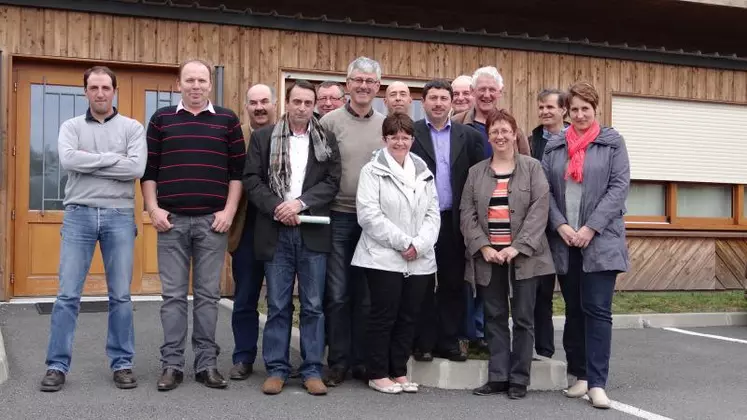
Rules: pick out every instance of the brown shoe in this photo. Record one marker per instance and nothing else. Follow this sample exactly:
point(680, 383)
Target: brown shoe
point(315, 386)
point(273, 385)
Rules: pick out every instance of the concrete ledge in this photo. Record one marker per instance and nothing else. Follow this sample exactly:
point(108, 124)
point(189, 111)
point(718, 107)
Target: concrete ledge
point(546, 375)
point(708, 319)
point(4, 372)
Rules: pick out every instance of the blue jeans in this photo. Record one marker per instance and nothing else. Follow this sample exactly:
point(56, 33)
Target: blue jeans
point(292, 259)
point(347, 300)
point(587, 337)
point(248, 274)
point(115, 230)
point(474, 316)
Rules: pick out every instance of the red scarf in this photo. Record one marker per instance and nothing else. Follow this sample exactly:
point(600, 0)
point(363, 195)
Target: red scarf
point(577, 144)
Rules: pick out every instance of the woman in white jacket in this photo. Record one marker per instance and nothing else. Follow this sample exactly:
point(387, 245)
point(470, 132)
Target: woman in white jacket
point(398, 213)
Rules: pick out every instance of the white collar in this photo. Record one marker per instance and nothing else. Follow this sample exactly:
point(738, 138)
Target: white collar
point(208, 107)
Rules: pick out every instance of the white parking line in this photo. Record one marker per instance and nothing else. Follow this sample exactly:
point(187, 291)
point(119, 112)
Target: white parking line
point(697, 334)
point(633, 411)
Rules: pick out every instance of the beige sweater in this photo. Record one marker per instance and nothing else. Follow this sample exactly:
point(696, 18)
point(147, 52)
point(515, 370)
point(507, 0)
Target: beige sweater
point(357, 139)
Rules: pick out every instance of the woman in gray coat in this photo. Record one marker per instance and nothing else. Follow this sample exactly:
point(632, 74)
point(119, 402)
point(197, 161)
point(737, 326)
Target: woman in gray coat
point(589, 176)
point(503, 213)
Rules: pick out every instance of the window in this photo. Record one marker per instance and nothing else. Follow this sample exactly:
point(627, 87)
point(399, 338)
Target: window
point(155, 100)
point(647, 199)
point(712, 201)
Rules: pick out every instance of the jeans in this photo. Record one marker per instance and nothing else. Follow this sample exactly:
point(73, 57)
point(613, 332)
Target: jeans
point(395, 306)
point(293, 258)
point(474, 316)
point(191, 242)
point(347, 301)
point(587, 338)
point(248, 275)
point(510, 360)
point(115, 231)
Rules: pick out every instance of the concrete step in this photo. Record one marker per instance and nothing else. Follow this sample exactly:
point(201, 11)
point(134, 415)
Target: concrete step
point(546, 374)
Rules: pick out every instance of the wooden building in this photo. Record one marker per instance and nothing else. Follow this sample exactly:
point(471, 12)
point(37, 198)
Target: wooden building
point(677, 94)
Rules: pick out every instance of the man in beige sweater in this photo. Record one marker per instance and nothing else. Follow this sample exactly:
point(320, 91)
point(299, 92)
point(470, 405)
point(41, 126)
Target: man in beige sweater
point(357, 127)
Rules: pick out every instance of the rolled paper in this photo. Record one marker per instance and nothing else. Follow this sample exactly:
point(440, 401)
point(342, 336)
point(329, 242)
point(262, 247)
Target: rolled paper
point(319, 220)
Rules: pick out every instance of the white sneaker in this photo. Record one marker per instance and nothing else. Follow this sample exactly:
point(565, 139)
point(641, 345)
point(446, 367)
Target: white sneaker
point(409, 387)
point(599, 398)
point(578, 390)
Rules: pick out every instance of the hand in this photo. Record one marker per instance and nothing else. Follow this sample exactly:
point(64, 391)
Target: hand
point(223, 221)
point(292, 220)
point(160, 219)
point(508, 253)
point(490, 255)
point(584, 237)
point(286, 209)
point(409, 254)
point(567, 233)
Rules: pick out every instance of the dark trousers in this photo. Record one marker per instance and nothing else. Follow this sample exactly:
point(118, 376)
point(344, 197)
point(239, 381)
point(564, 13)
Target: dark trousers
point(395, 306)
point(509, 362)
point(544, 333)
point(587, 337)
point(448, 305)
point(346, 301)
point(248, 275)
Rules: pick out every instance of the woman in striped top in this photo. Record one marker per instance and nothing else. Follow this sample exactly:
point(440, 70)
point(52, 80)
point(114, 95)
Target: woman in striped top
point(503, 218)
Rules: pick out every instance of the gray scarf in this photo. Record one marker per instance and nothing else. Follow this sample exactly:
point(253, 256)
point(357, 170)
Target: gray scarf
point(280, 166)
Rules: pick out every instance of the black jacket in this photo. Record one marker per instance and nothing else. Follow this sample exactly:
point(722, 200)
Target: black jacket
point(466, 150)
point(538, 142)
point(320, 186)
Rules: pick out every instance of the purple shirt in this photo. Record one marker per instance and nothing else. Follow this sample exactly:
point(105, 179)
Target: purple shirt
point(442, 145)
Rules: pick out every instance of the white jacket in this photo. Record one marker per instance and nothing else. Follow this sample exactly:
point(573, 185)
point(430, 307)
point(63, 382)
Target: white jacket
point(394, 216)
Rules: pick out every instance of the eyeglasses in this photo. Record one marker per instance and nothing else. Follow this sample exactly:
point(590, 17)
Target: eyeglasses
point(393, 139)
point(330, 98)
point(503, 133)
point(360, 81)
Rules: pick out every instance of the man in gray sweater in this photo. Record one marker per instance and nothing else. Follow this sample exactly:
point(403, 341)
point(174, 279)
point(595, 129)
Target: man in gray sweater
point(103, 153)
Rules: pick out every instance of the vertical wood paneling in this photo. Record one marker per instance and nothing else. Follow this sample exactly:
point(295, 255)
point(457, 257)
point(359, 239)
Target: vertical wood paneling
point(712, 83)
point(289, 45)
point(187, 36)
point(209, 43)
point(726, 86)
point(655, 79)
point(503, 60)
point(640, 78)
point(363, 47)
point(612, 69)
point(534, 86)
point(101, 37)
point(308, 51)
point(740, 86)
point(123, 45)
point(55, 33)
point(401, 59)
point(10, 32)
point(487, 57)
point(344, 54)
point(470, 61)
point(79, 28)
point(567, 70)
point(167, 41)
point(418, 61)
point(684, 82)
point(551, 76)
point(520, 95)
point(325, 48)
point(455, 62)
point(269, 58)
point(583, 69)
point(599, 80)
point(148, 40)
point(230, 57)
point(249, 46)
point(432, 65)
point(627, 76)
point(670, 81)
point(32, 31)
point(699, 83)
point(383, 54)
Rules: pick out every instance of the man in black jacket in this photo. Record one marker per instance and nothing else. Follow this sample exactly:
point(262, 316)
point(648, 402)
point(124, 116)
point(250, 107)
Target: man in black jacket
point(293, 170)
point(552, 110)
point(449, 149)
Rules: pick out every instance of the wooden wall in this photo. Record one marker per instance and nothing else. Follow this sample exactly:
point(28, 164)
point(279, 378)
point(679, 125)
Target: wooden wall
point(253, 55)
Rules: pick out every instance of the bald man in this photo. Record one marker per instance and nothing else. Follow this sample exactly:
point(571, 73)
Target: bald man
point(248, 273)
point(398, 99)
point(462, 100)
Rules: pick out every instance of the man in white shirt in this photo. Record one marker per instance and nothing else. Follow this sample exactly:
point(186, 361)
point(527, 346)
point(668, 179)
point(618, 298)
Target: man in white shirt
point(292, 169)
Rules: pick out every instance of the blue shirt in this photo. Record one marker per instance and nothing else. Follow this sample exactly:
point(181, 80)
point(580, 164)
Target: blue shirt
point(485, 144)
point(442, 146)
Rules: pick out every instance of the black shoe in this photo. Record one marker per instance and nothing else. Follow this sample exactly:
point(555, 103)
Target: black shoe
point(516, 391)
point(335, 377)
point(423, 357)
point(52, 381)
point(491, 388)
point(124, 379)
point(170, 379)
point(211, 378)
point(240, 371)
point(453, 355)
point(359, 373)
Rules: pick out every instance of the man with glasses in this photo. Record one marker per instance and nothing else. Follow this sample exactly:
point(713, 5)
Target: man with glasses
point(357, 127)
point(329, 96)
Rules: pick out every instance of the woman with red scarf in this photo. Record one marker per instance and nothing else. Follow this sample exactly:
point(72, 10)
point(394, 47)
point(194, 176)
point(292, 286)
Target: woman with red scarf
point(588, 171)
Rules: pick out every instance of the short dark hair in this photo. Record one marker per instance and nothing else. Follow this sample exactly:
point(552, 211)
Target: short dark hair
point(397, 122)
point(438, 84)
point(99, 70)
point(301, 84)
point(547, 92)
point(198, 61)
point(329, 84)
point(497, 115)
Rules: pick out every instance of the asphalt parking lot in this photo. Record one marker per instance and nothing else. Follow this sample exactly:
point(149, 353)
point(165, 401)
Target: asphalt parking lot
point(655, 374)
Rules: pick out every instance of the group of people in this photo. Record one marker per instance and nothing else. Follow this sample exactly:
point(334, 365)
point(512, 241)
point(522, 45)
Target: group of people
point(406, 238)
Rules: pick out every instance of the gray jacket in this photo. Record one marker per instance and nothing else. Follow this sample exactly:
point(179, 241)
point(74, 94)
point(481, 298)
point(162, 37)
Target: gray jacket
point(605, 189)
